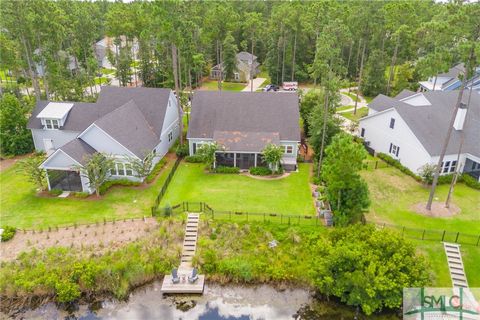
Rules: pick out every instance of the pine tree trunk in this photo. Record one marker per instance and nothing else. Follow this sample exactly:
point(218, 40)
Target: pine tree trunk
point(179, 70)
point(360, 77)
point(392, 66)
point(251, 65)
point(349, 58)
point(283, 59)
point(294, 52)
point(177, 90)
point(324, 129)
point(33, 74)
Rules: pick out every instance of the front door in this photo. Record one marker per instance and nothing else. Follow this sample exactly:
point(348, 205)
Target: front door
point(48, 144)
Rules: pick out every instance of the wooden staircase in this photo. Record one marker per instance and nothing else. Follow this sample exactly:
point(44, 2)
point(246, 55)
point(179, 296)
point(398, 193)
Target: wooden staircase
point(190, 240)
point(455, 265)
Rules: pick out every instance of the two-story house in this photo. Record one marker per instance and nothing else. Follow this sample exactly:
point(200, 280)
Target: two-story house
point(243, 68)
point(124, 123)
point(412, 128)
point(451, 80)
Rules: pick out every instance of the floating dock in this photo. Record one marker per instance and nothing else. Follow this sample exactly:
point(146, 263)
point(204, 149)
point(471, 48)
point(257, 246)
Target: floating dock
point(185, 269)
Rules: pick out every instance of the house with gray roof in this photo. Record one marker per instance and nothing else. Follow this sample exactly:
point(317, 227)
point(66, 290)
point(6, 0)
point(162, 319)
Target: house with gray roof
point(450, 80)
point(124, 122)
point(412, 128)
point(243, 123)
point(243, 68)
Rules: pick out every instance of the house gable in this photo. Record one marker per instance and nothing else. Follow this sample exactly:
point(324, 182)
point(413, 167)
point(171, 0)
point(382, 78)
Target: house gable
point(103, 142)
point(59, 160)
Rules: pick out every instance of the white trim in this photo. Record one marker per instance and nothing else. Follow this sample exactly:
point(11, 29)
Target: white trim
point(42, 165)
point(93, 124)
point(376, 113)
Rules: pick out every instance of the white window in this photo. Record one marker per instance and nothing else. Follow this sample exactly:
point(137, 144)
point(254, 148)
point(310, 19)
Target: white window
point(128, 170)
point(395, 150)
point(52, 124)
point(288, 149)
point(236, 75)
point(449, 166)
point(170, 136)
point(121, 169)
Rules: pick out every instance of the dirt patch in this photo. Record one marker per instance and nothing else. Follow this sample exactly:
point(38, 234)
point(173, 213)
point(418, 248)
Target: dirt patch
point(284, 175)
point(7, 163)
point(438, 209)
point(102, 236)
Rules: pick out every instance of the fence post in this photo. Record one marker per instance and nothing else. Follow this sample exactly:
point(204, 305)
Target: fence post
point(443, 235)
point(403, 231)
point(188, 209)
point(247, 215)
point(478, 240)
point(153, 211)
point(288, 220)
point(423, 234)
point(281, 218)
point(230, 214)
point(376, 164)
point(264, 217)
point(458, 233)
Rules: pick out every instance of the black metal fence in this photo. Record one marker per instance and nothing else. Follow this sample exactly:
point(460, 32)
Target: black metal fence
point(289, 219)
point(162, 192)
point(434, 235)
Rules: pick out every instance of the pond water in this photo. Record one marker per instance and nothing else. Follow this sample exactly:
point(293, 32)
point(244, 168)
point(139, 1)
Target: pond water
point(217, 303)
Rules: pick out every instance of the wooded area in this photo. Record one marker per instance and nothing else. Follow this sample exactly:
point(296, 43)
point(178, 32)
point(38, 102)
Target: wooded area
point(386, 46)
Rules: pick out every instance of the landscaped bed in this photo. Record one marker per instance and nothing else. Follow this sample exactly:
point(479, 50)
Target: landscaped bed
point(22, 207)
point(231, 192)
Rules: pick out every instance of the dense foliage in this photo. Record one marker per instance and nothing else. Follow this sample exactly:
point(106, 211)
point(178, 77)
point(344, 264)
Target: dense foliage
point(8, 233)
point(15, 138)
point(304, 41)
point(31, 168)
point(224, 169)
point(260, 171)
point(272, 154)
point(97, 170)
point(346, 191)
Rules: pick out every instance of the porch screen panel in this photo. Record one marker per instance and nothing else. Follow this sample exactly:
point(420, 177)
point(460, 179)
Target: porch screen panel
point(225, 159)
point(245, 160)
point(260, 161)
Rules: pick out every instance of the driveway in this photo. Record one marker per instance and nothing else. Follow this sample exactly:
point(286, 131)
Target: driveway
point(257, 82)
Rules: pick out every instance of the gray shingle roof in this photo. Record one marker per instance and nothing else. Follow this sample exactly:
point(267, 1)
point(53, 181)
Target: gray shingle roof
point(244, 112)
point(78, 150)
point(152, 102)
point(430, 123)
point(454, 71)
point(129, 127)
point(245, 141)
point(404, 93)
point(245, 56)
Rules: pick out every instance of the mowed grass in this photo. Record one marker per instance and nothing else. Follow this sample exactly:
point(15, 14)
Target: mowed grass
point(233, 192)
point(393, 194)
point(21, 207)
point(212, 85)
point(361, 112)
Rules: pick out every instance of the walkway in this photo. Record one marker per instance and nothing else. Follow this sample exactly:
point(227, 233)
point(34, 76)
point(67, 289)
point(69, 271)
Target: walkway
point(257, 82)
point(455, 265)
point(185, 269)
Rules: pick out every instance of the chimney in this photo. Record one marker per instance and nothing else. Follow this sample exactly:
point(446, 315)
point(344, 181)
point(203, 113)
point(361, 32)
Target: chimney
point(460, 117)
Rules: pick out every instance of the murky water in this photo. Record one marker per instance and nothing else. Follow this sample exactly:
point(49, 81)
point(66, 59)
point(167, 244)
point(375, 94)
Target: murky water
point(217, 303)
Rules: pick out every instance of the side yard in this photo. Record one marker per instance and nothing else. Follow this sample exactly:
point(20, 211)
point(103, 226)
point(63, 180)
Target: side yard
point(290, 195)
point(393, 194)
point(21, 207)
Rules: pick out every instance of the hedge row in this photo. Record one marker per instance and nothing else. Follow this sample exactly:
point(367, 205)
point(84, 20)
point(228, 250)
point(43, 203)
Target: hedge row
point(260, 171)
point(120, 182)
point(194, 159)
point(395, 163)
point(224, 169)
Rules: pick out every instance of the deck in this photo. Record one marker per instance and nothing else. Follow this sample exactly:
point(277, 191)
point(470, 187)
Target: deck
point(183, 287)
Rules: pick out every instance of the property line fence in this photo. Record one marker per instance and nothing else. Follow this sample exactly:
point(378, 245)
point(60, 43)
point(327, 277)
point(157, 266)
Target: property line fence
point(374, 164)
point(292, 219)
point(164, 188)
point(433, 235)
point(289, 219)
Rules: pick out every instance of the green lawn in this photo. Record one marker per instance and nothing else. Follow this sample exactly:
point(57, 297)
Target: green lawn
point(344, 108)
point(352, 96)
point(230, 192)
point(22, 208)
point(101, 80)
point(227, 86)
point(393, 194)
point(108, 71)
point(361, 112)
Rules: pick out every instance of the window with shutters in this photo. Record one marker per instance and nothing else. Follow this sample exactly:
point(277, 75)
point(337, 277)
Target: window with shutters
point(394, 150)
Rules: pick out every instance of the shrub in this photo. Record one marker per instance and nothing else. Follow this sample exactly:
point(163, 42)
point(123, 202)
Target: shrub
point(395, 163)
point(156, 170)
point(8, 233)
point(55, 192)
point(447, 178)
point(224, 169)
point(194, 159)
point(120, 182)
point(182, 150)
point(80, 194)
point(470, 181)
point(260, 171)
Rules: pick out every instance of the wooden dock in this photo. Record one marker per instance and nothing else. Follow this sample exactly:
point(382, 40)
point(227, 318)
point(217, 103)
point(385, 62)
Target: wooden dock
point(185, 269)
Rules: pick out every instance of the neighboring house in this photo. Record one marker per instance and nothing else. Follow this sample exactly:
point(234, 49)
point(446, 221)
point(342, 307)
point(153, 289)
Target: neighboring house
point(451, 80)
point(72, 63)
point(244, 68)
point(243, 123)
point(412, 128)
point(103, 46)
point(124, 123)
